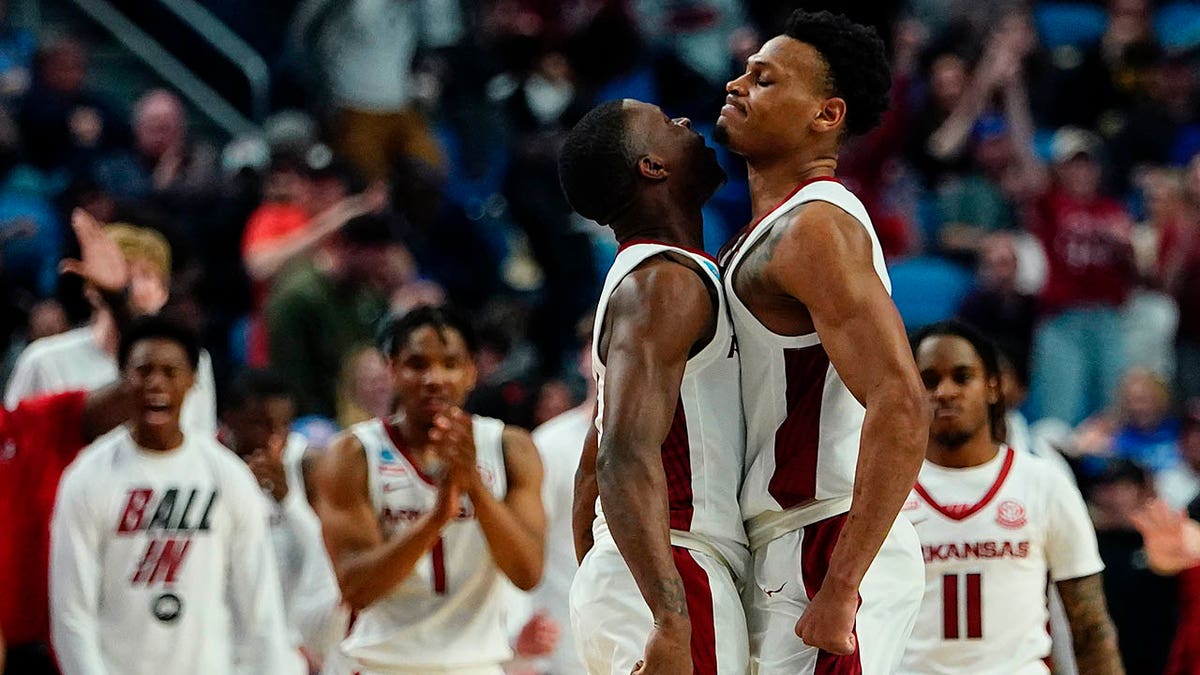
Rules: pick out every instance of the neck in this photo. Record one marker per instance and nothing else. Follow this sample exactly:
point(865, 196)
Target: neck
point(659, 221)
point(976, 451)
point(771, 182)
point(159, 439)
point(414, 432)
point(104, 331)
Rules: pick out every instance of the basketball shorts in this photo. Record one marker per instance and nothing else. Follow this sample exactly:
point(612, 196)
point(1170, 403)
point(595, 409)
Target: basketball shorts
point(611, 621)
point(787, 573)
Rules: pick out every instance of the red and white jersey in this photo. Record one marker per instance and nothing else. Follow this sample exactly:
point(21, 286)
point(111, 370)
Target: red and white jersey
point(992, 535)
point(450, 612)
point(802, 423)
point(703, 452)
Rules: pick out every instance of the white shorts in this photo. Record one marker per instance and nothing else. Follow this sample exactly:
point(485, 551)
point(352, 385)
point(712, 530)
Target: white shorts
point(789, 571)
point(611, 621)
point(337, 663)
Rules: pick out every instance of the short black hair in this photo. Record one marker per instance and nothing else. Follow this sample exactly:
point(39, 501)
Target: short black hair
point(158, 327)
point(988, 354)
point(858, 66)
point(255, 384)
point(595, 165)
point(397, 331)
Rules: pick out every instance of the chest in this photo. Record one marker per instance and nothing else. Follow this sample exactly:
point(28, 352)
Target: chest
point(749, 280)
point(1005, 532)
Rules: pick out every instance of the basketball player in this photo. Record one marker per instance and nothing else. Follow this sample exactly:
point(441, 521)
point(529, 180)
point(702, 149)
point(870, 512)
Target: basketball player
point(835, 416)
point(258, 413)
point(657, 592)
point(160, 557)
point(426, 513)
point(994, 523)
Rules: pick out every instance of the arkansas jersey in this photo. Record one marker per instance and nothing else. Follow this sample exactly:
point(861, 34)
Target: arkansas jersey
point(992, 535)
point(802, 423)
point(161, 563)
point(449, 613)
point(703, 451)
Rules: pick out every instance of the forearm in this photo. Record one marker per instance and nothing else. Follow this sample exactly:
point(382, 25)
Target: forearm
point(583, 512)
point(518, 552)
point(1092, 632)
point(893, 443)
point(948, 141)
point(264, 265)
point(633, 491)
point(366, 576)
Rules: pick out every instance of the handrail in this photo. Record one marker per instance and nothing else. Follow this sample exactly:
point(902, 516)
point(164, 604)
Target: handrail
point(168, 67)
point(232, 47)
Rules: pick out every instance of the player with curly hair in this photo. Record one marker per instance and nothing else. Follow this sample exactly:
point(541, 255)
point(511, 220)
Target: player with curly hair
point(835, 416)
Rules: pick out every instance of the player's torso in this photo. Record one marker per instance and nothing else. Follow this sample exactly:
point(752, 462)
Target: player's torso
point(166, 553)
point(450, 609)
point(704, 449)
point(802, 423)
point(984, 609)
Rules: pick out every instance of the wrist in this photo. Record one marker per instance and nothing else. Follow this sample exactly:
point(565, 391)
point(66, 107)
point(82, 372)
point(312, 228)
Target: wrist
point(673, 623)
point(840, 583)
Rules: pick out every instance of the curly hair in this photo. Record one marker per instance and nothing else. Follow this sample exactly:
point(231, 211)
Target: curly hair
point(988, 353)
point(595, 165)
point(857, 66)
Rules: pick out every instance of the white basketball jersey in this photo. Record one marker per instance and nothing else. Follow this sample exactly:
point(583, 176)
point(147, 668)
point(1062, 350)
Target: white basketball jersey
point(703, 452)
point(993, 536)
point(450, 611)
point(802, 423)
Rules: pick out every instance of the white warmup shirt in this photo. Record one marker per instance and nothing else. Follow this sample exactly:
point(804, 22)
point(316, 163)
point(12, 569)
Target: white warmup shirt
point(162, 563)
point(73, 360)
point(992, 535)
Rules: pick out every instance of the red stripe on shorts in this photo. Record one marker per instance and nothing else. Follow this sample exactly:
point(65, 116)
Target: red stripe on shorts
point(815, 550)
point(700, 610)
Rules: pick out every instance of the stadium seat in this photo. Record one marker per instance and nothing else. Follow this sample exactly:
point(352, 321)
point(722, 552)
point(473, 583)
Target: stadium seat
point(927, 289)
point(1062, 24)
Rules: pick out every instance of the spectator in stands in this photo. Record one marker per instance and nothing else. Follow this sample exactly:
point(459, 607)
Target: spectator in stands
point(369, 49)
point(165, 164)
point(320, 310)
point(997, 306)
point(1152, 127)
point(1180, 485)
point(1151, 315)
point(85, 358)
point(256, 421)
point(1179, 260)
point(1148, 434)
point(1143, 605)
point(17, 48)
point(364, 387)
point(64, 124)
point(1078, 350)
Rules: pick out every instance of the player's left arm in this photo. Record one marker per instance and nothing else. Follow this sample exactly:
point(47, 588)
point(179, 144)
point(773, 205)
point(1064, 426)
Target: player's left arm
point(824, 260)
point(1092, 632)
point(515, 527)
point(587, 491)
point(1073, 559)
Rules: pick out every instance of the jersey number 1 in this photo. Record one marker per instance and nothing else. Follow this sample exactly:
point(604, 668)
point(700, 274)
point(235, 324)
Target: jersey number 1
point(438, 554)
point(958, 601)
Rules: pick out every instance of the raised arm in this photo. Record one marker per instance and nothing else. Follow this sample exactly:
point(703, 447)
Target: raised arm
point(824, 260)
point(368, 566)
point(515, 527)
point(656, 316)
point(583, 507)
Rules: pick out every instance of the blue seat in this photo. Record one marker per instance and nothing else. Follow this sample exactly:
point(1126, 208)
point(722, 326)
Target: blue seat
point(927, 289)
point(1062, 24)
point(1177, 25)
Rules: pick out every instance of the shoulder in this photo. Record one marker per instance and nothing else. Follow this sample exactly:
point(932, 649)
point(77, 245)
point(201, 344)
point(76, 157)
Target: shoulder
point(562, 428)
point(55, 347)
point(228, 465)
point(93, 465)
point(818, 227)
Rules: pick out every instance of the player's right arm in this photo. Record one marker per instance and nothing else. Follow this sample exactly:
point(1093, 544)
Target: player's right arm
point(367, 565)
point(656, 316)
point(583, 508)
point(75, 540)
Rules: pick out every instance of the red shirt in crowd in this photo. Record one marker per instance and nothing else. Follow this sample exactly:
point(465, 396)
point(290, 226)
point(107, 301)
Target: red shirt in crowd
point(38, 439)
point(1088, 251)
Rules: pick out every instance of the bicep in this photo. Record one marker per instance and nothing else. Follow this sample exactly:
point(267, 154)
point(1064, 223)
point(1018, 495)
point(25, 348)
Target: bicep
point(826, 261)
point(348, 521)
point(523, 468)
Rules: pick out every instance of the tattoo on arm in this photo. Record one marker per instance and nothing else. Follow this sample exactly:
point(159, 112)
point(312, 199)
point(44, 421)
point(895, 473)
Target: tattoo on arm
point(673, 595)
point(1092, 631)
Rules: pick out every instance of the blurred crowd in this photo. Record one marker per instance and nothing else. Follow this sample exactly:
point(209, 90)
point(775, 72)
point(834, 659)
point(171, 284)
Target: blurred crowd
point(1038, 175)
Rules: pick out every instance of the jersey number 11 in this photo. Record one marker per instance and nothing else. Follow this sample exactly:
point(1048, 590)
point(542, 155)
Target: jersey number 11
point(958, 602)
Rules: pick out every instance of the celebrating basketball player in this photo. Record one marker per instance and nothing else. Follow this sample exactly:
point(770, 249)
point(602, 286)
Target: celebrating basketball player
point(656, 593)
point(835, 416)
point(426, 513)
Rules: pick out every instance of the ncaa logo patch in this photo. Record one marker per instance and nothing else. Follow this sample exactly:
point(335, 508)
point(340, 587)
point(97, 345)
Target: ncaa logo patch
point(1011, 514)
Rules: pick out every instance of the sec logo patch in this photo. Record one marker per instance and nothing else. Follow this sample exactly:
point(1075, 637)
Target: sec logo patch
point(1011, 514)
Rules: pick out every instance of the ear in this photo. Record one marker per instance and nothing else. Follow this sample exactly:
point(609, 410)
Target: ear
point(831, 116)
point(653, 167)
point(993, 390)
